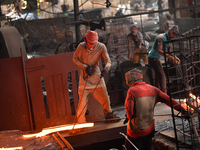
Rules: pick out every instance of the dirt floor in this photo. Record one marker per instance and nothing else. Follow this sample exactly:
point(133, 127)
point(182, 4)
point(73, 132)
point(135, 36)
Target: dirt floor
point(14, 138)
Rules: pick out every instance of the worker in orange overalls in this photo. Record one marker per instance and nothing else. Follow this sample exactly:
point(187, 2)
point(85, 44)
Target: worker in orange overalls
point(87, 57)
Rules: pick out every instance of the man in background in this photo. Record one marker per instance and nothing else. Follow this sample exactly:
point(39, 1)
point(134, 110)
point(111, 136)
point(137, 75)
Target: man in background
point(157, 51)
point(140, 47)
point(168, 23)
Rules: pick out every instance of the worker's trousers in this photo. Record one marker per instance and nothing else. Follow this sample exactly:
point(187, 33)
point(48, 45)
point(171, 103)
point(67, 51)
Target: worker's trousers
point(160, 80)
point(137, 56)
point(100, 94)
point(142, 143)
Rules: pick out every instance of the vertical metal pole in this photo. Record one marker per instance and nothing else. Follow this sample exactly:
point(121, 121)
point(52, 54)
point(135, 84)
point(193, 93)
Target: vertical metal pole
point(174, 6)
point(142, 4)
point(168, 84)
point(76, 18)
point(141, 24)
point(142, 30)
point(31, 117)
point(52, 7)
point(92, 3)
point(195, 13)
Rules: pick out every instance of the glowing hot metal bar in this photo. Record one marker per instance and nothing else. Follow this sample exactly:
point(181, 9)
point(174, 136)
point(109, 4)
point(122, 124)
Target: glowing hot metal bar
point(11, 148)
point(59, 128)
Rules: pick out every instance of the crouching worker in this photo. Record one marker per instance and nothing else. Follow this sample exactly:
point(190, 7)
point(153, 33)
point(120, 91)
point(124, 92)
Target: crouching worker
point(140, 102)
point(87, 57)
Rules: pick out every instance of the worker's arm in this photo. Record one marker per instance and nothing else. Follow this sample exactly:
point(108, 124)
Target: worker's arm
point(77, 60)
point(106, 58)
point(139, 44)
point(129, 105)
point(162, 97)
point(175, 60)
point(135, 50)
point(129, 47)
point(161, 52)
point(163, 26)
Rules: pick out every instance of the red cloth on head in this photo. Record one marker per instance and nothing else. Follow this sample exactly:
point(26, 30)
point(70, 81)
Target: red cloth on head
point(132, 76)
point(91, 39)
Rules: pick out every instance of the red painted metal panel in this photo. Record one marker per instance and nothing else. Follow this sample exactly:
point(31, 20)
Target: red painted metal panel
point(54, 70)
point(14, 106)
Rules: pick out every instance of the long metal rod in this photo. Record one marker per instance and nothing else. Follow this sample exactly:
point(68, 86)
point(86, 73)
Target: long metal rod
point(65, 141)
point(128, 140)
point(62, 145)
point(172, 110)
point(27, 91)
point(76, 18)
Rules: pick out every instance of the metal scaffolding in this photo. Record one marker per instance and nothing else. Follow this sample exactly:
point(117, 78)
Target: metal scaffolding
point(183, 82)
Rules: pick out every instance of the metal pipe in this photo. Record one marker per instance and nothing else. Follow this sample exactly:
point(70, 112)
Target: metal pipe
point(172, 110)
point(27, 92)
point(128, 140)
point(60, 143)
point(65, 141)
point(135, 14)
point(76, 18)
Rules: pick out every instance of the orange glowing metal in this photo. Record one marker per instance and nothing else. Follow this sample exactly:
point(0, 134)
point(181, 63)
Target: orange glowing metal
point(11, 148)
point(185, 105)
point(59, 128)
point(194, 97)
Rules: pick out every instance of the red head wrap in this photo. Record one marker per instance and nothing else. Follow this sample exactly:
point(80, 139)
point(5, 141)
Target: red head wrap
point(91, 39)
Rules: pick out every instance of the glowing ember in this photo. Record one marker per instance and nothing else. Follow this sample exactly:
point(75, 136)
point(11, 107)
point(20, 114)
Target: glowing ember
point(11, 148)
point(59, 128)
point(194, 97)
point(185, 105)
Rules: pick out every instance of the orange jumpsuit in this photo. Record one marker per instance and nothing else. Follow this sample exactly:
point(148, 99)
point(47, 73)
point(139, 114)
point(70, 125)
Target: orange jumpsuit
point(83, 57)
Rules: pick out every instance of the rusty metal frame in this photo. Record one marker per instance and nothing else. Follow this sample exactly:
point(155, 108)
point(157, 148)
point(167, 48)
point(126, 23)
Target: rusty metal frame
point(186, 79)
point(54, 70)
